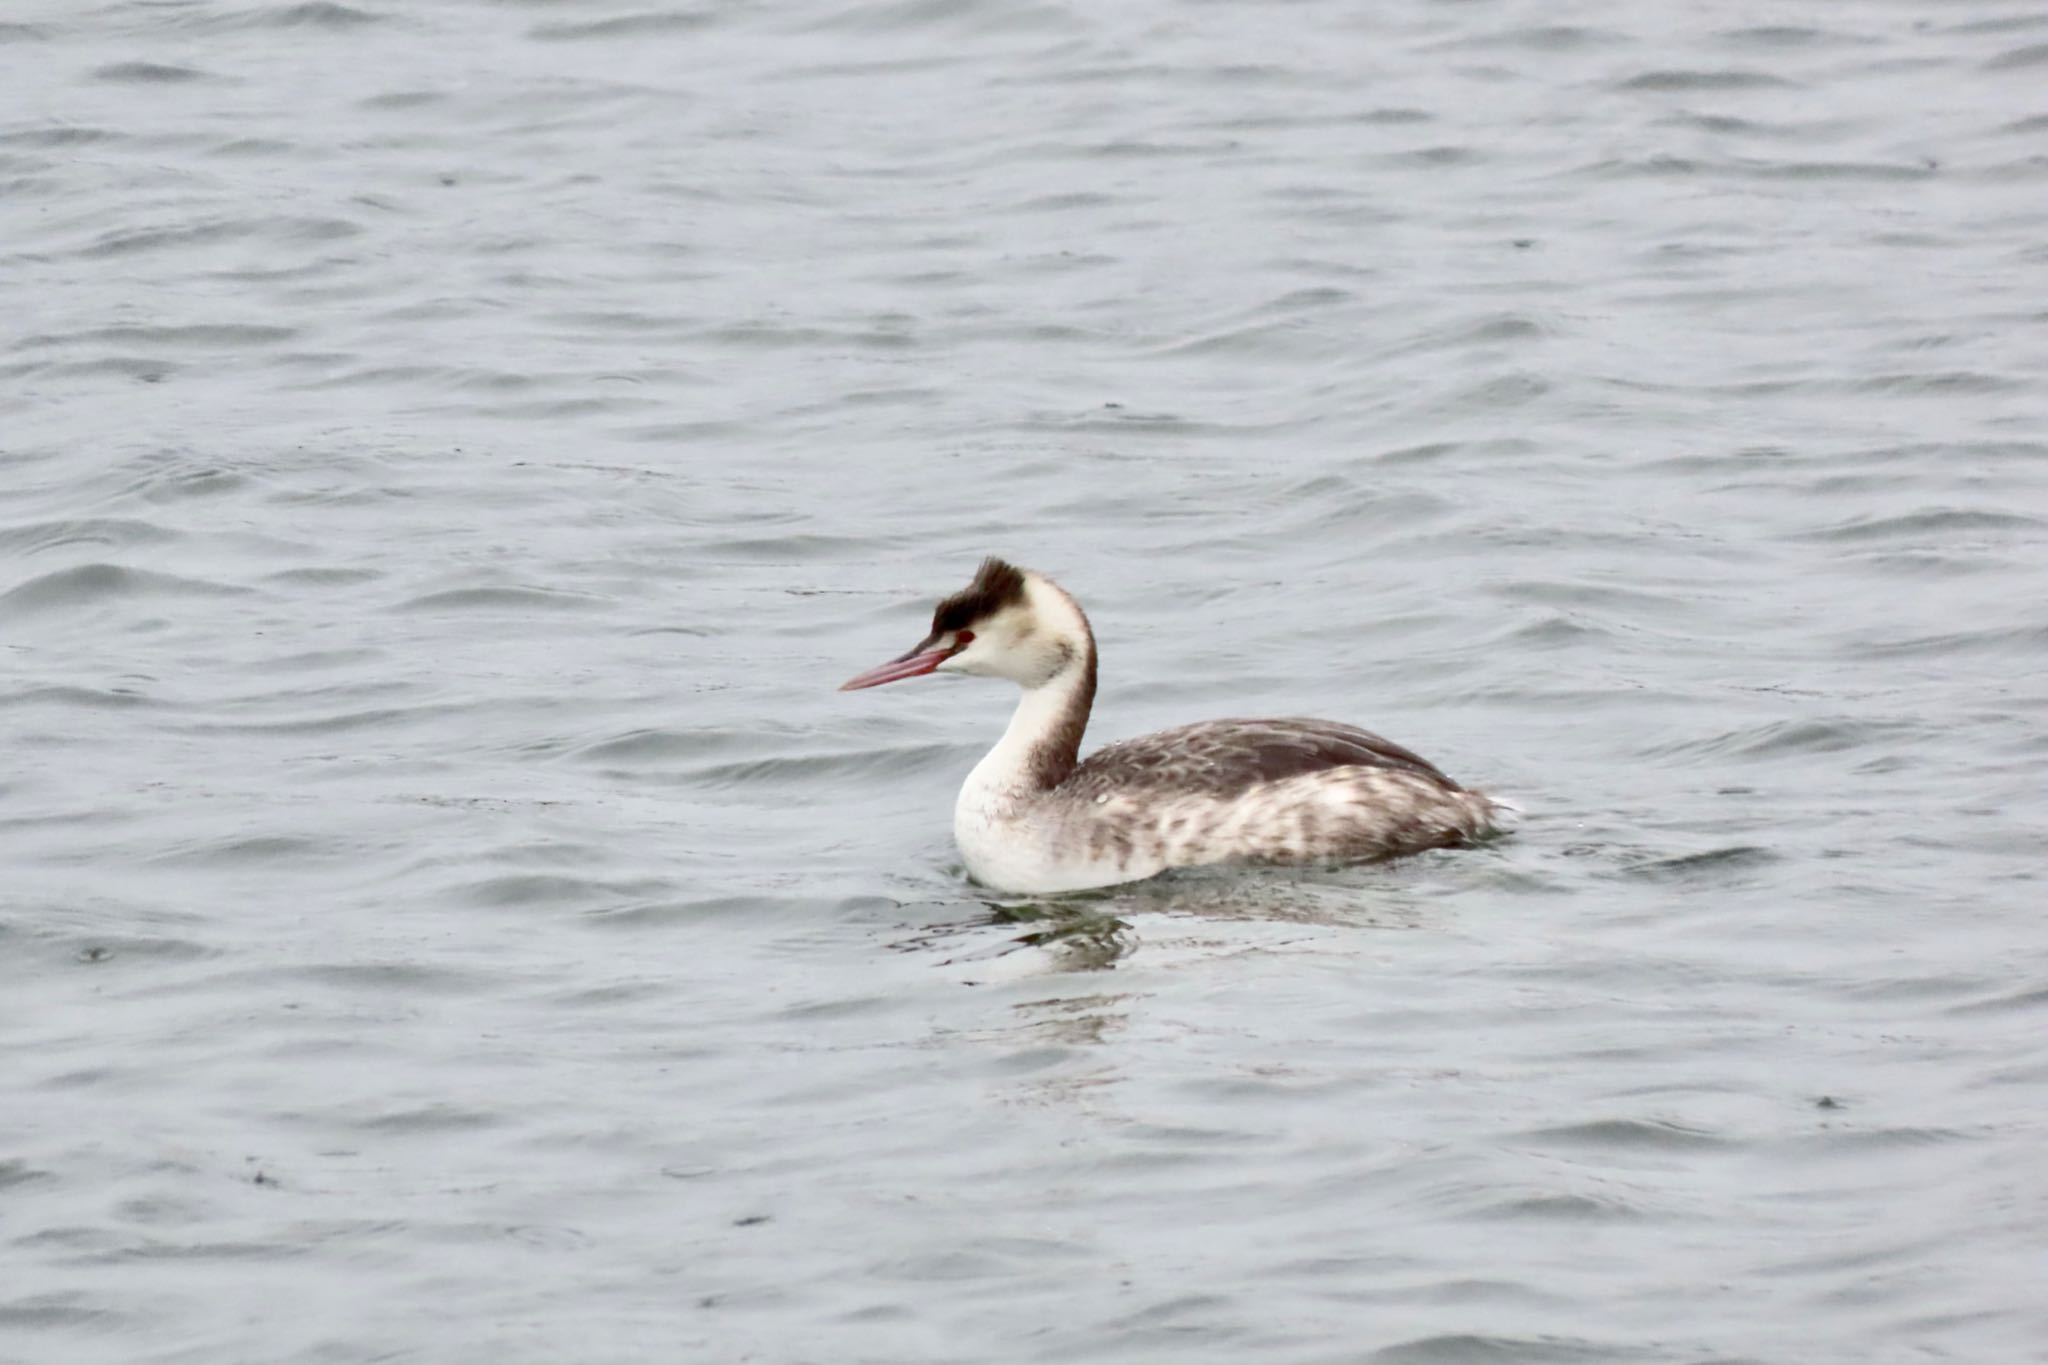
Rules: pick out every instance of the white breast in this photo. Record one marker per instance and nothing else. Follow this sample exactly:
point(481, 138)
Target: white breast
point(1039, 845)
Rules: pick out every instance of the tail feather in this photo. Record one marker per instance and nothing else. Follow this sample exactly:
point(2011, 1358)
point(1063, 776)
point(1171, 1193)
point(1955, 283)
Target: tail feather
point(1500, 815)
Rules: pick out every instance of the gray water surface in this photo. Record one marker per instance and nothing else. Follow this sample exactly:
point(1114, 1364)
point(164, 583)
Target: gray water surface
point(449, 454)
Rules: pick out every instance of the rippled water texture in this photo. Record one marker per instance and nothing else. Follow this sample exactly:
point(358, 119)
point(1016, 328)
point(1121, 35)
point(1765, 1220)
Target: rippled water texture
point(449, 453)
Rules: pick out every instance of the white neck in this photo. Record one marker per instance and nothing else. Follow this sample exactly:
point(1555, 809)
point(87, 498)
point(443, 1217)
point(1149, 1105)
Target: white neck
point(1043, 740)
point(1037, 748)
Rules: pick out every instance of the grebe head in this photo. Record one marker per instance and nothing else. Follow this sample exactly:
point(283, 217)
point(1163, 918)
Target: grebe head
point(1008, 623)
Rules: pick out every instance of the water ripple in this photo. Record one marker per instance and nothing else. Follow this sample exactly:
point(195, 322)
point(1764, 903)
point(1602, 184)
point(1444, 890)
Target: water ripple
point(90, 585)
point(452, 450)
point(149, 73)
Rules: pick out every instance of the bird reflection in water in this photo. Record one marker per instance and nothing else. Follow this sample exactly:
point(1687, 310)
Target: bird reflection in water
point(1077, 934)
point(1183, 917)
point(1080, 937)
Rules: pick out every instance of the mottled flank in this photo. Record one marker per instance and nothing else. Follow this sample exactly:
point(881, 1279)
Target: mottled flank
point(1342, 814)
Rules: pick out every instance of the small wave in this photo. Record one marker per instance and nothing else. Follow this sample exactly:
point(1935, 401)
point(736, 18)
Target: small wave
point(272, 147)
point(453, 378)
point(1918, 986)
point(973, 16)
point(652, 23)
point(95, 584)
point(1444, 154)
point(134, 241)
point(319, 576)
point(66, 136)
point(1114, 419)
point(540, 890)
point(1560, 1208)
point(1430, 452)
point(149, 73)
point(1557, 632)
point(406, 978)
point(803, 772)
point(335, 723)
point(1838, 1140)
point(1467, 1348)
point(1931, 563)
point(403, 99)
point(1705, 80)
point(308, 14)
point(14, 1171)
point(242, 850)
point(115, 532)
point(1626, 1134)
point(2027, 1000)
point(1067, 201)
point(1785, 737)
point(1353, 509)
point(686, 911)
point(808, 549)
point(226, 335)
point(1926, 525)
point(1659, 165)
point(1938, 382)
point(1504, 391)
point(89, 698)
point(63, 1310)
point(782, 337)
point(1487, 329)
point(661, 746)
point(2020, 58)
point(97, 950)
point(1785, 37)
point(1611, 596)
point(685, 433)
point(1850, 170)
point(1541, 38)
point(497, 599)
point(427, 1118)
point(1713, 861)
point(1311, 297)
point(2019, 640)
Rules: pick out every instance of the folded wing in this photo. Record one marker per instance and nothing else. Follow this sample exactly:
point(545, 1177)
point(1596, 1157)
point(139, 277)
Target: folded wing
point(1223, 758)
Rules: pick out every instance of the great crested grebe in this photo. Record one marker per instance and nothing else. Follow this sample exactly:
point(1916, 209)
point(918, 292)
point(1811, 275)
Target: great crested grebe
point(1033, 819)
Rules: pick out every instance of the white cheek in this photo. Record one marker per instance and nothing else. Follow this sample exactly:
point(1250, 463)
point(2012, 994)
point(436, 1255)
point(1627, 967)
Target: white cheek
point(971, 660)
point(988, 657)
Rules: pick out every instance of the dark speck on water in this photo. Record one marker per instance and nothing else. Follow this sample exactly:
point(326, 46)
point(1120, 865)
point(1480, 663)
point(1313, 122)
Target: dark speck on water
point(420, 614)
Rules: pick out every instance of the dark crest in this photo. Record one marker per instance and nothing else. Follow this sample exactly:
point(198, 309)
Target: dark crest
point(996, 585)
